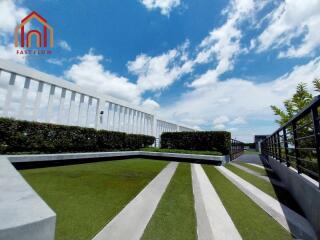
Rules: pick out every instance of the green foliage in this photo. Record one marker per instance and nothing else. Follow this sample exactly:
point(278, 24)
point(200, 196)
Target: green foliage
point(154, 149)
point(23, 136)
point(202, 141)
point(299, 100)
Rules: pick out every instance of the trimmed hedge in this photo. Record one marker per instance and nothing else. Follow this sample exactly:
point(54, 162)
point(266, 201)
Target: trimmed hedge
point(202, 141)
point(23, 136)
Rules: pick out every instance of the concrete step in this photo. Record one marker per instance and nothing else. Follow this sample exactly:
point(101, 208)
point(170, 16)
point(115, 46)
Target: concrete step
point(213, 221)
point(290, 220)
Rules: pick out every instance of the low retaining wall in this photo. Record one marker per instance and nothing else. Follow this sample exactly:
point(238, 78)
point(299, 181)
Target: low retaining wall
point(305, 191)
point(219, 160)
point(23, 214)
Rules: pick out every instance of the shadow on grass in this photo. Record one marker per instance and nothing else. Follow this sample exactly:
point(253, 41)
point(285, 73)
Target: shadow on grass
point(55, 163)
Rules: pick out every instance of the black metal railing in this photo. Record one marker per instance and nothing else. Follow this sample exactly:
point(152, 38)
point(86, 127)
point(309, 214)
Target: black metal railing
point(236, 149)
point(297, 142)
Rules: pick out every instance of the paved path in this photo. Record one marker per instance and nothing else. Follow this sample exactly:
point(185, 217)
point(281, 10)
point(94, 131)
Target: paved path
point(250, 158)
point(131, 222)
point(213, 221)
point(265, 178)
point(289, 219)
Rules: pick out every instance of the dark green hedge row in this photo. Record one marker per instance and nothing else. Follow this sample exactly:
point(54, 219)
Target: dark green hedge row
point(24, 136)
point(203, 140)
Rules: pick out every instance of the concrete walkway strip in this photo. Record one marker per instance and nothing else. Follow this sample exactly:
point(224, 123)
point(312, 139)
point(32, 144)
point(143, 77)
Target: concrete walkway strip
point(265, 178)
point(289, 219)
point(213, 221)
point(131, 222)
point(260, 166)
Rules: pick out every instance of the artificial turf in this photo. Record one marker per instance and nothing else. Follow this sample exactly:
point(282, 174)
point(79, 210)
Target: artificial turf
point(274, 191)
point(86, 197)
point(174, 218)
point(251, 221)
point(169, 150)
point(261, 171)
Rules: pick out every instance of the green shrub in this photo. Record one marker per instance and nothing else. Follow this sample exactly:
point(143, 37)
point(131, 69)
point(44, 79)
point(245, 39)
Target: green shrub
point(23, 136)
point(135, 141)
point(202, 141)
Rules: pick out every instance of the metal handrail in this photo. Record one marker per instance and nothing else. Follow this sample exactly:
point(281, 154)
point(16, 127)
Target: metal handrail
point(306, 151)
point(236, 149)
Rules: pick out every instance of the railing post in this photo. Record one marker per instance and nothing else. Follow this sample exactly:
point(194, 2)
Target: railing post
point(296, 145)
point(279, 147)
point(285, 140)
point(315, 119)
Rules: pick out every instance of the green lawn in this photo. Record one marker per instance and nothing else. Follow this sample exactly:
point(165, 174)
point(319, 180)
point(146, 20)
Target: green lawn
point(276, 192)
point(86, 197)
point(174, 218)
point(261, 171)
point(251, 221)
point(152, 149)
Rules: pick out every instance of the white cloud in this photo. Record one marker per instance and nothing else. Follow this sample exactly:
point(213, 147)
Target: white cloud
point(251, 100)
point(11, 15)
point(291, 20)
point(165, 6)
point(90, 73)
point(221, 120)
point(223, 43)
point(8, 52)
point(238, 121)
point(64, 45)
point(150, 105)
point(159, 72)
point(219, 126)
point(56, 61)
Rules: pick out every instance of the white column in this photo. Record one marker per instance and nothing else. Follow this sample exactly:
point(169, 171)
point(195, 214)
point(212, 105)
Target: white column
point(125, 116)
point(141, 122)
point(49, 107)
point(129, 120)
point(134, 116)
point(37, 101)
point(99, 110)
point(114, 116)
point(119, 118)
point(73, 97)
point(24, 97)
point(144, 131)
point(87, 112)
point(79, 109)
point(154, 126)
point(8, 98)
point(108, 116)
point(138, 123)
point(61, 105)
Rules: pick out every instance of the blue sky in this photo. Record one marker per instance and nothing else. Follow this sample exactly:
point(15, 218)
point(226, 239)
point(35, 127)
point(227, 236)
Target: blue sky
point(209, 64)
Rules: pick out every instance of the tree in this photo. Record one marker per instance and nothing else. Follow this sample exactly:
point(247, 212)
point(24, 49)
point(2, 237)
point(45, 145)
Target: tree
point(299, 100)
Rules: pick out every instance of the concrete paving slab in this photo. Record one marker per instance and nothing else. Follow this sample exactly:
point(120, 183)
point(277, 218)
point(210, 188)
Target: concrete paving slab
point(131, 222)
point(213, 221)
point(287, 218)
